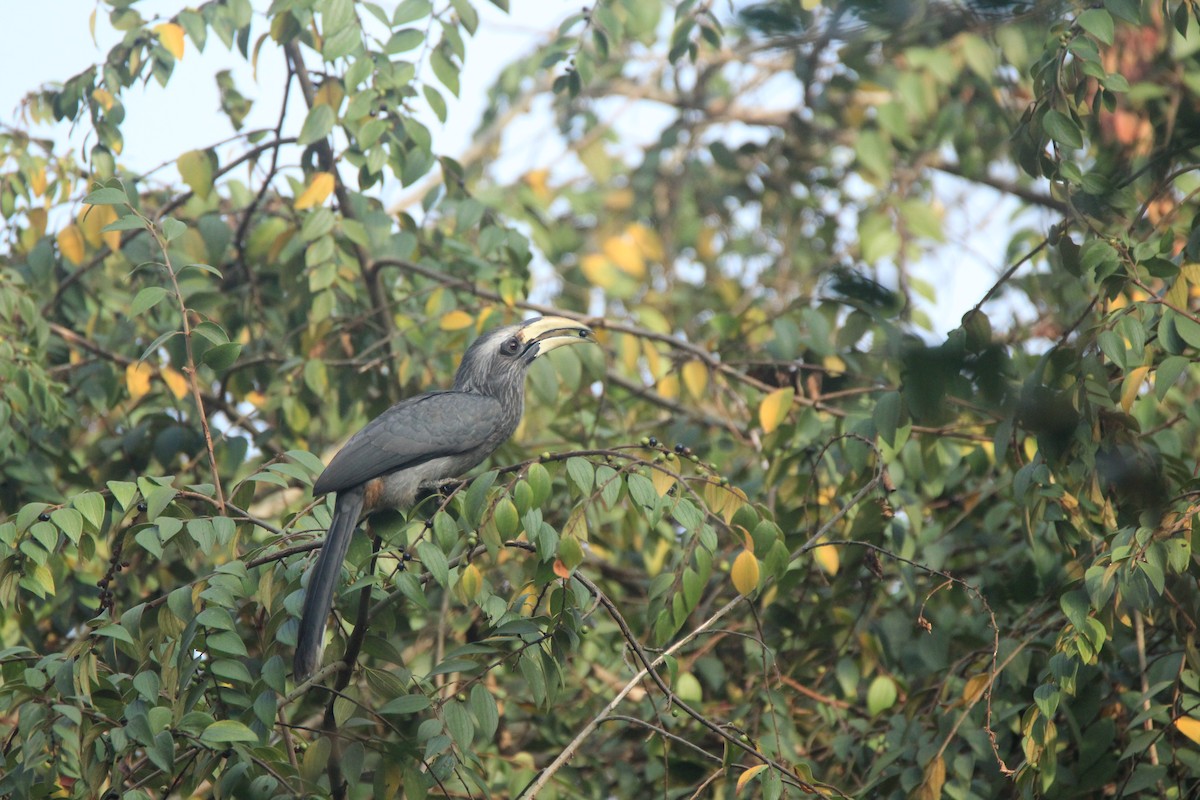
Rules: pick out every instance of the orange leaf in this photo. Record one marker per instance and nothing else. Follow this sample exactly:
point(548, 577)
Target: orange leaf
point(175, 382)
point(171, 37)
point(745, 572)
point(668, 387)
point(137, 378)
point(456, 320)
point(775, 407)
point(70, 244)
point(318, 190)
point(748, 775)
point(560, 569)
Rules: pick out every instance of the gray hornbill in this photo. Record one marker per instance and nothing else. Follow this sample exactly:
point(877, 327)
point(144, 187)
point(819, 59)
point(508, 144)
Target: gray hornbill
point(422, 440)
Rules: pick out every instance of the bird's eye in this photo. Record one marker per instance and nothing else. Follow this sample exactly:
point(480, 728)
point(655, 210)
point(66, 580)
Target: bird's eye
point(511, 346)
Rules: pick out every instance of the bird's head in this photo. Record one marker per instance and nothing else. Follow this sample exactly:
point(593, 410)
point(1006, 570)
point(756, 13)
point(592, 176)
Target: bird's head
point(498, 359)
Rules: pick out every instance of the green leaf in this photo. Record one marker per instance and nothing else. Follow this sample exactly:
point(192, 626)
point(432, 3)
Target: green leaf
point(1188, 329)
point(881, 695)
point(91, 506)
point(444, 69)
point(146, 299)
point(197, 168)
point(582, 473)
point(69, 521)
point(433, 559)
point(172, 228)
point(1062, 129)
point(1098, 23)
point(404, 40)
point(405, 704)
point(227, 731)
point(317, 124)
point(106, 197)
point(113, 631)
point(222, 356)
point(411, 10)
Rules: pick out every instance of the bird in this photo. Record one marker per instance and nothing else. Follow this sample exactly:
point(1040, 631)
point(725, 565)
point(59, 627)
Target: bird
point(421, 440)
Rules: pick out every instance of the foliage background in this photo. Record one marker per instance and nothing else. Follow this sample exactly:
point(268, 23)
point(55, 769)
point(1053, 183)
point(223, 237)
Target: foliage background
point(864, 559)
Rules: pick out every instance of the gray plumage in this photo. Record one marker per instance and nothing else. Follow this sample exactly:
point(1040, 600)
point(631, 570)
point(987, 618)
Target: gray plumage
point(422, 440)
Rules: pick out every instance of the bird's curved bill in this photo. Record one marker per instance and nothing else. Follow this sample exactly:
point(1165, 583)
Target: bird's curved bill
point(547, 333)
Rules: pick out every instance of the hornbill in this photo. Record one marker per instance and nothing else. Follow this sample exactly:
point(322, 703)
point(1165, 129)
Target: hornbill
point(422, 440)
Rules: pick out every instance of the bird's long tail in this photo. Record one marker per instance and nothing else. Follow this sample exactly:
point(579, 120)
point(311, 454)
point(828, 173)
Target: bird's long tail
point(323, 582)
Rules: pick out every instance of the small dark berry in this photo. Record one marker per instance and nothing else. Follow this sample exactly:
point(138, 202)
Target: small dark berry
point(653, 442)
point(680, 449)
point(142, 507)
point(124, 565)
point(43, 517)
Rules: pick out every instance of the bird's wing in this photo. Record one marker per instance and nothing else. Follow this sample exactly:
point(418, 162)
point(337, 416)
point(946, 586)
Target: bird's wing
point(412, 432)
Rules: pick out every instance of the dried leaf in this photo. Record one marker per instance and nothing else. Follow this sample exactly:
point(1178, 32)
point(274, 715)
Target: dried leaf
point(748, 775)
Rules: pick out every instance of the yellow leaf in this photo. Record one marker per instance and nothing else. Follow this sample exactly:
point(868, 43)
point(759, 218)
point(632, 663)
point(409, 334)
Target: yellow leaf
point(668, 387)
point(748, 775)
point(171, 36)
point(834, 364)
point(619, 199)
point(104, 98)
point(1177, 295)
point(647, 240)
point(657, 365)
point(775, 407)
point(695, 378)
point(456, 320)
point(37, 180)
point(92, 221)
point(538, 181)
point(706, 249)
point(662, 481)
point(598, 270)
point(630, 352)
point(974, 687)
point(810, 5)
point(827, 559)
point(745, 572)
point(137, 378)
point(256, 398)
point(1133, 383)
point(736, 500)
point(318, 189)
point(37, 221)
point(470, 582)
point(624, 252)
point(70, 244)
point(330, 94)
point(934, 778)
point(176, 382)
point(1189, 727)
